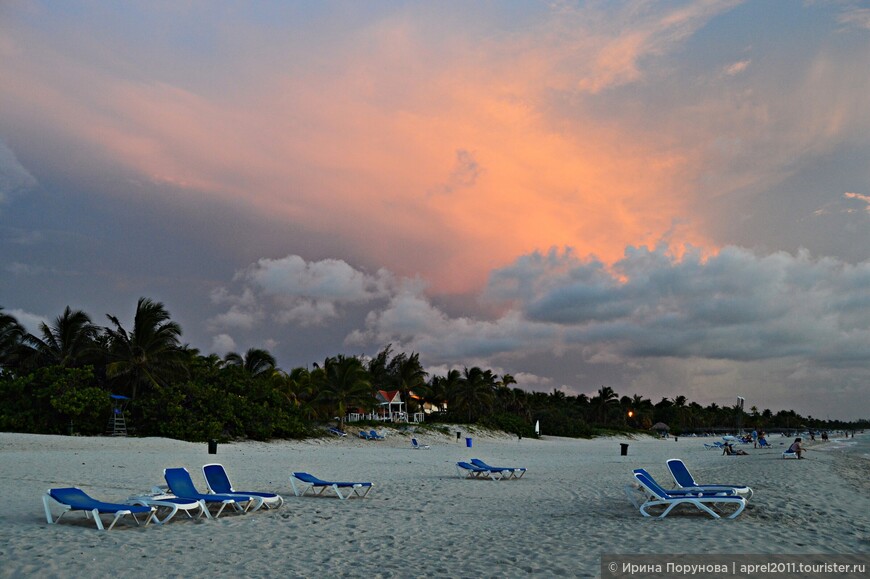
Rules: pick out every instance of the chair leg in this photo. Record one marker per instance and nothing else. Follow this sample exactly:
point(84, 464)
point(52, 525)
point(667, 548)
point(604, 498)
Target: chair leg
point(98, 521)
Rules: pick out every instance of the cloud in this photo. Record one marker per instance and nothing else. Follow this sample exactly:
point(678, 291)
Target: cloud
point(31, 322)
point(14, 178)
point(292, 290)
point(24, 269)
point(859, 197)
point(465, 173)
point(736, 305)
point(855, 16)
point(736, 68)
point(223, 344)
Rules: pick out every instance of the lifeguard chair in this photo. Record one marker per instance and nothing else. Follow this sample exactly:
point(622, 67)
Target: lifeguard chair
point(117, 423)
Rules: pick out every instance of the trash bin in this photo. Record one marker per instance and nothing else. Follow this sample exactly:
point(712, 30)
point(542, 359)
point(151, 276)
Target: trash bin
point(212, 446)
point(468, 442)
point(623, 449)
point(458, 436)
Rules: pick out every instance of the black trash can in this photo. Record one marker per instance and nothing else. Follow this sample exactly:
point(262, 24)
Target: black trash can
point(212, 446)
point(623, 449)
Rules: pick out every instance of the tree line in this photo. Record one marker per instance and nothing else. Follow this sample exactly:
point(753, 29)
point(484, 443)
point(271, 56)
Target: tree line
point(58, 381)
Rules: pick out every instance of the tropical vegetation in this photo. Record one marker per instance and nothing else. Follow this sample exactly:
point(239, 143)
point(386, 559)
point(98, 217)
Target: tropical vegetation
point(60, 380)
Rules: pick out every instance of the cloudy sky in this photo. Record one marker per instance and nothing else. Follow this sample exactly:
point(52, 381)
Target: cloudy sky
point(664, 197)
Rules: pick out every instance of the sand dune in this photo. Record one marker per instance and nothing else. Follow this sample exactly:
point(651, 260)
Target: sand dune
point(420, 520)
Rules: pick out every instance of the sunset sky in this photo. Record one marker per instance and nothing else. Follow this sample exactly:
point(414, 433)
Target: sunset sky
point(667, 198)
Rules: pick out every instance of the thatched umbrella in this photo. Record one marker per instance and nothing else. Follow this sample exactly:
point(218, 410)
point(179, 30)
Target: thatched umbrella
point(660, 426)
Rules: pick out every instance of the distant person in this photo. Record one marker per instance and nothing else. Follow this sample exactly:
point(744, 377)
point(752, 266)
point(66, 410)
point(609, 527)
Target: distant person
point(797, 448)
point(729, 450)
point(754, 439)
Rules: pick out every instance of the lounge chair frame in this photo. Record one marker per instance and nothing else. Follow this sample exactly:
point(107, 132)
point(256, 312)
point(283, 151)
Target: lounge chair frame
point(218, 482)
point(162, 499)
point(656, 496)
point(183, 487)
point(77, 500)
point(308, 482)
point(468, 470)
point(509, 472)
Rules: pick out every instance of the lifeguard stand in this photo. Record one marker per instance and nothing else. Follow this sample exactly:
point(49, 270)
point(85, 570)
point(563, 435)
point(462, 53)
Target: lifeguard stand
point(117, 424)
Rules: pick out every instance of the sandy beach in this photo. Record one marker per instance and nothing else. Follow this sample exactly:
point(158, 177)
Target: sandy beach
point(420, 520)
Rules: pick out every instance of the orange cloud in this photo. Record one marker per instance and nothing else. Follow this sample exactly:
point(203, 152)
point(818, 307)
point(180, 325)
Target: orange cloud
point(358, 149)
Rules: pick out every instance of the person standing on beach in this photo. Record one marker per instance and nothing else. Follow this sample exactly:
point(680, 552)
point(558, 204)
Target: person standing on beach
point(754, 439)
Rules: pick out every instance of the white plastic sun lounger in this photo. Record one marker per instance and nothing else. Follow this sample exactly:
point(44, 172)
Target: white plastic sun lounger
point(308, 482)
point(468, 470)
point(218, 482)
point(181, 485)
point(164, 501)
point(75, 499)
point(706, 502)
point(513, 472)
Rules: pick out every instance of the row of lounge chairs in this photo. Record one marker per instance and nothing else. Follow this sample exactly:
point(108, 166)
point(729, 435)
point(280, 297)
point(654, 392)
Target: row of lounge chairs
point(717, 500)
point(478, 469)
point(181, 495)
point(762, 443)
point(370, 435)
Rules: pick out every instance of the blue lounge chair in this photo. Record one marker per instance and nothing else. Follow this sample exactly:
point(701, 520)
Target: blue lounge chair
point(337, 431)
point(511, 471)
point(375, 436)
point(363, 434)
point(417, 446)
point(218, 483)
point(684, 479)
point(656, 496)
point(75, 499)
point(468, 470)
point(181, 485)
point(309, 482)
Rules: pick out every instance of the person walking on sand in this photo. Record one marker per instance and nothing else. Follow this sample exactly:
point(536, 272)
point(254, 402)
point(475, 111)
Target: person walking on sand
point(796, 447)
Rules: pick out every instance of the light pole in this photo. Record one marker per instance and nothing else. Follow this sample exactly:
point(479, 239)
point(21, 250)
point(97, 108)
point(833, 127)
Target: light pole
point(740, 401)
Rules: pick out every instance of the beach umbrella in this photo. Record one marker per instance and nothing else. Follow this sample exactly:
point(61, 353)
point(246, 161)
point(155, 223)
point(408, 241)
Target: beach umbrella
point(538, 427)
point(660, 426)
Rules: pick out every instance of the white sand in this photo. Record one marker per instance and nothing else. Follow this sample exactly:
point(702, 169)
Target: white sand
point(420, 520)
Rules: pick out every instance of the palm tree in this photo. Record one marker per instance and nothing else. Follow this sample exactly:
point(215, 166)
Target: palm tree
point(255, 362)
point(441, 388)
point(68, 343)
point(603, 402)
point(343, 383)
point(151, 353)
point(408, 374)
point(474, 394)
point(12, 336)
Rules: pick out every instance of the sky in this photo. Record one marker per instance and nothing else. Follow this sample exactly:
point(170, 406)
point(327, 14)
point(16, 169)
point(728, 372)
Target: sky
point(664, 197)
